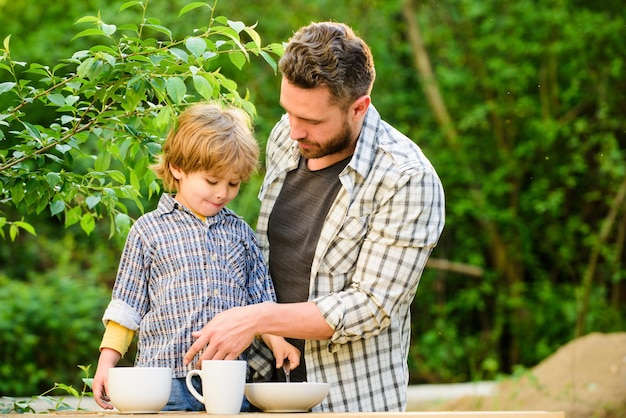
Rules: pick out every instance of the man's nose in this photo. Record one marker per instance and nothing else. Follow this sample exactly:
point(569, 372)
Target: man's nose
point(297, 132)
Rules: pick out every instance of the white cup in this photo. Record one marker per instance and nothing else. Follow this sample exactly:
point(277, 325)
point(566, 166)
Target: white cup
point(139, 389)
point(223, 384)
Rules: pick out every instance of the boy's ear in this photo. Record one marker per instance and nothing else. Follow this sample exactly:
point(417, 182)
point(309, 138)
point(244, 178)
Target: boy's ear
point(176, 172)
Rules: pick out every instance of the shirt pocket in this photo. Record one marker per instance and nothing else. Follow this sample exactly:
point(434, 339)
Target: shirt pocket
point(345, 248)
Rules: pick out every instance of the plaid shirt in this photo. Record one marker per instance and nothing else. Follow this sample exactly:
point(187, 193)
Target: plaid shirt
point(177, 272)
point(373, 247)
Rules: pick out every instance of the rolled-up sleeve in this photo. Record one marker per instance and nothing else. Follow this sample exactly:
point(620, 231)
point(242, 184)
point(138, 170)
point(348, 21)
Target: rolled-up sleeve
point(400, 235)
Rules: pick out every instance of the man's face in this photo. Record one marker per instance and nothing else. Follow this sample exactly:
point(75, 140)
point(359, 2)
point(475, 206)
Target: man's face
point(322, 129)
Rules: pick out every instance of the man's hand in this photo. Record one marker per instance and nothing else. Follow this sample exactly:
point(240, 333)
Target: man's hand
point(226, 336)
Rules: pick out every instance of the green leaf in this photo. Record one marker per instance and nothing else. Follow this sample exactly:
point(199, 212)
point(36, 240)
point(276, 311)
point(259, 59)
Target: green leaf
point(67, 119)
point(180, 54)
point(69, 389)
point(117, 176)
point(57, 99)
point(53, 179)
point(248, 107)
point(87, 223)
point(3, 117)
point(17, 193)
point(88, 381)
point(92, 201)
point(277, 48)
point(131, 129)
point(57, 207)
point(89, 32)
point(93, 69)
point(237, 26)
point(87, 19)
point(5, 87)
point(103, 161)
point(196, 46)
point(254, 36)
point(159, 28)
point(13, 232)
point(32, 130)
point(129, 27)
point(238, 59)
point(25, 226)
point(108, 29)
point(203, 87)
point(191, 6)
point(227, 83)
point(129, 4)
point(62, 148)
point(134, 180)
point(122, 223)
point(72, 216)
point(176, 89)
point(163, 118)
point(268, 58)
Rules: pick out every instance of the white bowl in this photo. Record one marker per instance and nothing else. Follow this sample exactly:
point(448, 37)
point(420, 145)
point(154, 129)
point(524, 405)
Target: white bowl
point(286, 397)
point(140, 390)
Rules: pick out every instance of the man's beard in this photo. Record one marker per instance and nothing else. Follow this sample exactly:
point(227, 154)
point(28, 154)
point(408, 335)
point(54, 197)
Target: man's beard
point(338, 143)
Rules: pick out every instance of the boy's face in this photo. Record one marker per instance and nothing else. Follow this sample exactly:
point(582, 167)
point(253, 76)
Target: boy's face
point(206, 193)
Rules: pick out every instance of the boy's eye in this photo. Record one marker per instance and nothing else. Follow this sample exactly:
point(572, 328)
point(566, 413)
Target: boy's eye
point(233, 184)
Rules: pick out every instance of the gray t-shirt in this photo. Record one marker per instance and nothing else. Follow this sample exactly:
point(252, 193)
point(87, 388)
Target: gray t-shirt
point(293, 231)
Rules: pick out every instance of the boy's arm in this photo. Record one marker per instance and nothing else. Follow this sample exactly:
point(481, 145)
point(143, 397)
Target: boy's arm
point(117, 337)
point(282, 350)
point(114, 345)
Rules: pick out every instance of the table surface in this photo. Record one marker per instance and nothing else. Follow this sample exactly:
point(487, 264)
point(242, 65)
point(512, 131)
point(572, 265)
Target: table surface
point(437, 414)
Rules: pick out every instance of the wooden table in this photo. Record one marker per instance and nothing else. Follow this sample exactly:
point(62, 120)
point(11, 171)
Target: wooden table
point(455, 414)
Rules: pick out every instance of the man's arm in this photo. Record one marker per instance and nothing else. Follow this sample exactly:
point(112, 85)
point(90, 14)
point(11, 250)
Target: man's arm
point(230, 332)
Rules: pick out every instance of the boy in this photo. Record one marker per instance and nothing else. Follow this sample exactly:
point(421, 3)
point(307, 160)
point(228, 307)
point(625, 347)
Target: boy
point(192, 257)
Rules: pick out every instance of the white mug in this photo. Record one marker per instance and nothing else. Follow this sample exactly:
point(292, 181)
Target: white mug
point(223, 384)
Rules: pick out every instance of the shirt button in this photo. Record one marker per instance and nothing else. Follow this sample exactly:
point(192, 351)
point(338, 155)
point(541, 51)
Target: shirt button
point(216, 292)
point(213, 257)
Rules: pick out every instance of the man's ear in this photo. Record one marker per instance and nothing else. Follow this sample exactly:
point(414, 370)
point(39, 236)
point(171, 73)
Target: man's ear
point(360, 106)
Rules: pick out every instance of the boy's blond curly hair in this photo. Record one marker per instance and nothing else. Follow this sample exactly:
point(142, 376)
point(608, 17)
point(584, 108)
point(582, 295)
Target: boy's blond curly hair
point(212, 138)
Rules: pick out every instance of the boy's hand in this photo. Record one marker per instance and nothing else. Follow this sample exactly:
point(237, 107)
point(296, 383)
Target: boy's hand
point(282, 350)
point(100, 387)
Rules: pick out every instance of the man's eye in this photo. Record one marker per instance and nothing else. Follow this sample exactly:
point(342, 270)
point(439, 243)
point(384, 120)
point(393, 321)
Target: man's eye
point(233, 184)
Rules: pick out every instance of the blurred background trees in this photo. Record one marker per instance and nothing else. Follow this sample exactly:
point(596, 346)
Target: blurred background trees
point(519, 107)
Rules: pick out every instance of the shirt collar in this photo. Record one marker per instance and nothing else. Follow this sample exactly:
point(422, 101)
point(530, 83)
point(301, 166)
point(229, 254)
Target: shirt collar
point(168, 204)
point(367, 143)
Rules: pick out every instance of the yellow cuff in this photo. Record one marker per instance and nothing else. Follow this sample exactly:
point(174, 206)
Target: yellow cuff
point(117, 337)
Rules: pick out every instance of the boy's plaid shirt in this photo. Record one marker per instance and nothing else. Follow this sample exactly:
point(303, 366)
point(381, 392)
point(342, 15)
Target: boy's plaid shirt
point(177, 272)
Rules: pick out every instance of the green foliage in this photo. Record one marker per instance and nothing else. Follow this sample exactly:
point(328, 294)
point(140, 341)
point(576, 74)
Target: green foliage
point(48, 325)
point(113, 104)
point(24, 406)
point(532, 179)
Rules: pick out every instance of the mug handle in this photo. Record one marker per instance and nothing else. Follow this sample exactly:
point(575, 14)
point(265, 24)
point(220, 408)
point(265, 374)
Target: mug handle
point(193, 391)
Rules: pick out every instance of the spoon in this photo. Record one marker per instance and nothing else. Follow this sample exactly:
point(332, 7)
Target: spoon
point(286, 369)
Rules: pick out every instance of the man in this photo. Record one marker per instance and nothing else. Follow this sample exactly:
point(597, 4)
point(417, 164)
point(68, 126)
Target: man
point(351, 210)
